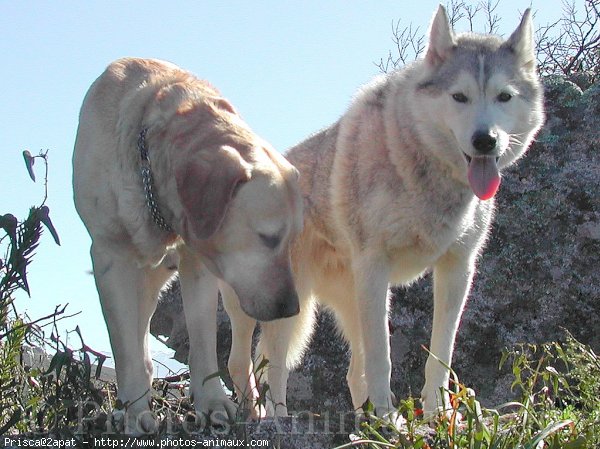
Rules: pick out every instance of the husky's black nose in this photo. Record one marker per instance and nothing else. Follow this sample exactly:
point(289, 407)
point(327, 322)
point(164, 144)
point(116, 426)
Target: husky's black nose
point(484, 141)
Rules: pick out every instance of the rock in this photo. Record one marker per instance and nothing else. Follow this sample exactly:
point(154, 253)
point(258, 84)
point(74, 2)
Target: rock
point(301, 431)
point(539, 274)
point(169, 321)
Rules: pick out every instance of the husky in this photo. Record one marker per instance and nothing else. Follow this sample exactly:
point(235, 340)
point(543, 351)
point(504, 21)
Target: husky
point(403, 183)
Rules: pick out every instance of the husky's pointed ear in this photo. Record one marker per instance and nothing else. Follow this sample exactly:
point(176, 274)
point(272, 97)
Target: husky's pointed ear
point(441, 38)
point(521, 42)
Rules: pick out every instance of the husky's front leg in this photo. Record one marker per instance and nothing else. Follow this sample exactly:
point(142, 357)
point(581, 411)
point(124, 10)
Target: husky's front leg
point(452, 278)
point(371, 276)
point(199, 292)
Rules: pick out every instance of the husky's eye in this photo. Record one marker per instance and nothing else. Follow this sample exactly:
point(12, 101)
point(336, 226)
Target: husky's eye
point(460, 97)
point(270, 241)
point(504, 97)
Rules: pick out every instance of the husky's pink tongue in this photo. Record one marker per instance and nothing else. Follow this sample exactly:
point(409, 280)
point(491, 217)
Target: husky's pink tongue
point(483, 176)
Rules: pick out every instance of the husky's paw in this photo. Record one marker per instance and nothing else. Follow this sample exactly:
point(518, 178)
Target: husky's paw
point(440, 414)
point(384, 410)
point(391, 417)
point(438, 407)
point(394, 417)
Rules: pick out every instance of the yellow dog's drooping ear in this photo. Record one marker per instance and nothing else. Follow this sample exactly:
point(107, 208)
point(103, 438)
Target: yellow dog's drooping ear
point(190, 106)
point(206, 186)
point(181, 99)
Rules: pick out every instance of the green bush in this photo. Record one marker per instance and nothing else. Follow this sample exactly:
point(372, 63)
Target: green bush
point(36, 398)
point(558, 385)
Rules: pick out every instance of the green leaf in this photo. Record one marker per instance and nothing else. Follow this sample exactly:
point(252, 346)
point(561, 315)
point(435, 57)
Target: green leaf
point(368, 407)
point(99, 363)
point(579, 443)
point(44, 217)
point(549, 430)
point(11, 422)
point(262, 365)
point(221, 374)
point(262, 396)
point(87, 367)
point(20, 266)
point(29, 161)
point(8, 222)
point(503, 359)
point(58, 361)
point(417, 444)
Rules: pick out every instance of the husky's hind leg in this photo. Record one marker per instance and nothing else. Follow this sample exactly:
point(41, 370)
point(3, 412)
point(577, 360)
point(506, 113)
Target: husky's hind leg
point(282, 343)
point(348, 318)
point(336, 291)
point(240, 357)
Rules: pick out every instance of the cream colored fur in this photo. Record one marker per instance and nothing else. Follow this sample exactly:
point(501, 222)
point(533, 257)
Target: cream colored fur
point(232, 201)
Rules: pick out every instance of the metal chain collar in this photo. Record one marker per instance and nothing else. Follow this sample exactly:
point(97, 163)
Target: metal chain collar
point(148, 183)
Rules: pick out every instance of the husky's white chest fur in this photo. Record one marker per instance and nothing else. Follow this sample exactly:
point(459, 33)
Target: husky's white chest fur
point(392, 194)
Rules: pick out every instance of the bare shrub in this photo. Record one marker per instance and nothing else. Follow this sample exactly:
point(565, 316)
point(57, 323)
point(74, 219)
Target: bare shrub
point(570, 46)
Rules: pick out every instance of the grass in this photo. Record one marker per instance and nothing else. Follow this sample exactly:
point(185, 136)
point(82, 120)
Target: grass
point(558, 385)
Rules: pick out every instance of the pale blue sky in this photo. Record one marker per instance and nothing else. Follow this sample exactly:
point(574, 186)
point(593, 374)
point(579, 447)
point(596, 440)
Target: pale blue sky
point(290, 68)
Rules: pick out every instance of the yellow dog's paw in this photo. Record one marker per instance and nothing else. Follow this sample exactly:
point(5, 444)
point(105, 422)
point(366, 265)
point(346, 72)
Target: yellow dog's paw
point(134, 422)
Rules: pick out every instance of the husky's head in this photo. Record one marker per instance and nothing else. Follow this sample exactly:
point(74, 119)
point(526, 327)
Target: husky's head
point(484, 96)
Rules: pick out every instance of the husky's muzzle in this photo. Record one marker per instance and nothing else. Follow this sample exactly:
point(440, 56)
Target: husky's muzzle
point(485, 142)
